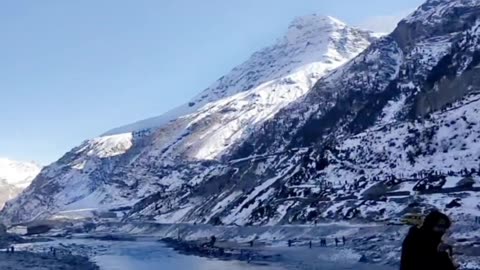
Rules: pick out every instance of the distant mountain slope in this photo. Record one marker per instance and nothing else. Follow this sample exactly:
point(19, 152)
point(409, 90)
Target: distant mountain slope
point(14, 177)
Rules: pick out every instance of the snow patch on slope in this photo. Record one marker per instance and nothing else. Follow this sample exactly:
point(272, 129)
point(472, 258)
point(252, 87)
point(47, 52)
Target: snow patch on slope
point(108, 146)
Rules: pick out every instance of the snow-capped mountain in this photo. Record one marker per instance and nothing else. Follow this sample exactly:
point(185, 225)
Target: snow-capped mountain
point(165, 153)
point(234, 106)
point(14, 177)
point(278, 74)
point(393, 130)
point(398, 120)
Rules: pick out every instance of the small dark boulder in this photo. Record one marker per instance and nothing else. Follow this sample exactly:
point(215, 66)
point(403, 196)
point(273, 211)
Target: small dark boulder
point(454, 203)
point(363, 259)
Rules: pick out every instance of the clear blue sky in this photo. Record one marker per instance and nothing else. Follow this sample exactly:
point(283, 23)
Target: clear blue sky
point(71, 70)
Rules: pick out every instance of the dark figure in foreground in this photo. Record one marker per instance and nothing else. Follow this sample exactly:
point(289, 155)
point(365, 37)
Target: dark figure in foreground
point(310, 244)
point(12, 249)
point(289, 243)
point(336, 242)
point(344, 240)
point(423, 248)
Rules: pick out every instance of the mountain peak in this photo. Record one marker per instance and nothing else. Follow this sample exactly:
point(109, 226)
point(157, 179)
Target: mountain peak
point(313, 42)
point(315, 20)
point(311, 26)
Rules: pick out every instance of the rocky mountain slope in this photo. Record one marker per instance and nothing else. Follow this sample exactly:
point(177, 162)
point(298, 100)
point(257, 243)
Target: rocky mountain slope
point(168, 153)
point(14, 177)
point(392, 131)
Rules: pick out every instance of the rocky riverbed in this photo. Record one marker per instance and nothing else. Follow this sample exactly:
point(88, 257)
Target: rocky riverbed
point(37, 261)
point(371, 246)
point(40, 260)
point(294, 257)
point(369, 243)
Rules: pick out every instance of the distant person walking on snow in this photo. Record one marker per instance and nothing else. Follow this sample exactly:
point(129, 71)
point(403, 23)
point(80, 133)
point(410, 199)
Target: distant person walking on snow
point(423, 247)
point(336, 242)
point(323, 242)
point(213, 239)
point(344, 240)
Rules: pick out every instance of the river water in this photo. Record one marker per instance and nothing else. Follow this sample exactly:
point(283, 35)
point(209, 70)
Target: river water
point(138, 255)
point(153, 255)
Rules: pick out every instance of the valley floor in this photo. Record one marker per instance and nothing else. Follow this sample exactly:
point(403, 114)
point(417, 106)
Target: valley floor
point(374, 244)
point(367, 246)
point(294, 257)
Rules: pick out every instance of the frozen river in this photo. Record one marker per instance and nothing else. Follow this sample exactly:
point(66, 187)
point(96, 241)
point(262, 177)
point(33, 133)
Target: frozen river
point(152, 255)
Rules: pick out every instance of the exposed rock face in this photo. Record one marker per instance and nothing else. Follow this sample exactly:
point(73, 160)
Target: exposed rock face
point(455, 74)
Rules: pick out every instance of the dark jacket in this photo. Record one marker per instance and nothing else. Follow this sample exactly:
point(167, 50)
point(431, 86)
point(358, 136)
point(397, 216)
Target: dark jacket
point(420, 252)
